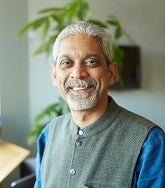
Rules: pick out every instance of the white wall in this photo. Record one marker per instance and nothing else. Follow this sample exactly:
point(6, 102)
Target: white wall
point(13, 76)
point(145, 21)
point(14, 72)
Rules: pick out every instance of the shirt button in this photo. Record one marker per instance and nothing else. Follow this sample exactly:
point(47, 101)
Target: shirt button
point(78, 143)
point(81, 132)
point(72, 171)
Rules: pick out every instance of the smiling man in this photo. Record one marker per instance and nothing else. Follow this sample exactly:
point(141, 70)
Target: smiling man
point(83, 76)
point(99, 144)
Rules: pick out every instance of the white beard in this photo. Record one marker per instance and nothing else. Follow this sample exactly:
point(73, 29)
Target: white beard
point(78, 100)
point(82, 103)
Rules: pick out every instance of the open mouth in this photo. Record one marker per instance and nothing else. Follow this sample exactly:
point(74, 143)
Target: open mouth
point(82, 91)
point(80, 87)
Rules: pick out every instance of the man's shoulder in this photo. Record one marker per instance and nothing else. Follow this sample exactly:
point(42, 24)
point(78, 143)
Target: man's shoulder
point(59, 120)
point(131, 118)
point(59, 125)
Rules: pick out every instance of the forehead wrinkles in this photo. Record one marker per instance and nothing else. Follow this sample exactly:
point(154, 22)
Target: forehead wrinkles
point(77, 44)
point(77, 55)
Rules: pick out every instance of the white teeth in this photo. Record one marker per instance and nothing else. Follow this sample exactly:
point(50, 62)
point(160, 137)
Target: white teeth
point(78, 88)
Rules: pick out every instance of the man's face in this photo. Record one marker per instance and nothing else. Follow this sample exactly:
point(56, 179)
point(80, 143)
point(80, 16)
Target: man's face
point(81, 72)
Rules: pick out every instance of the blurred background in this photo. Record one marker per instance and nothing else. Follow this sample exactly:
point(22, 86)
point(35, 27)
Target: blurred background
point(25, 82)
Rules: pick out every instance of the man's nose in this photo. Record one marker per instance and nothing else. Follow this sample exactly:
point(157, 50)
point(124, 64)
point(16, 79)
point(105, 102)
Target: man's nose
point(79, 71)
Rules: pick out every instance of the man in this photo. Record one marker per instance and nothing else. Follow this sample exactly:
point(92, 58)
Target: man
point(99, 144)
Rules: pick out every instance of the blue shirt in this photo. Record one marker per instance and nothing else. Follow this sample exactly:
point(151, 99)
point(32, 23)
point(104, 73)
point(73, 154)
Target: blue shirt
point(150, 168)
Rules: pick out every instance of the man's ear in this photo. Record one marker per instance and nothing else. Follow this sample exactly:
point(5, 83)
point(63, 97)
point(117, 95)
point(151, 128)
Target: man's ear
point(113, 73)
point(53, 74)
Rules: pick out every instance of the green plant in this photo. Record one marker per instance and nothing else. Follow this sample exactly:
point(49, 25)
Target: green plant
point(52, 20)
point(50, 23)
point(44, 117)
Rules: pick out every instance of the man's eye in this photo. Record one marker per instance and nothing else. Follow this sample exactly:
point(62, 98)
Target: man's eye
point(92, 62)
point(65, 64)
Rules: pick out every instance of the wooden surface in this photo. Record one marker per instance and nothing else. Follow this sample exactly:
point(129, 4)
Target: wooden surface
point(11, 156)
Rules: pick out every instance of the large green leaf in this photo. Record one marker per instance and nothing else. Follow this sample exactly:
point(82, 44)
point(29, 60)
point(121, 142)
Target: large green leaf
point(118, 33)
point(45, 47)
point(32, 25)
point(112, 22)
point(84, 11)
point(44, 29)
point(51, 10)
point(72, 10)
point(99, 23)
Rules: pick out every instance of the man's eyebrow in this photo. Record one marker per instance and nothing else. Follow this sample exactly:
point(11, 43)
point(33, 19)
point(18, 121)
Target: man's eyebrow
point(65, 56)
point(92, 55)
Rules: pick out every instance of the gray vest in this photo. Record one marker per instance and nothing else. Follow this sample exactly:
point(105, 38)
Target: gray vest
point(103, 157)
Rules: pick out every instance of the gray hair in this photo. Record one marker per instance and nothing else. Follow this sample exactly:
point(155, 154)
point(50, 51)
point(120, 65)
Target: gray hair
point(89, 29)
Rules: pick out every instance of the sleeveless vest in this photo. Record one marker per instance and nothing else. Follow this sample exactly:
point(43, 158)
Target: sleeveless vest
point(104, 156)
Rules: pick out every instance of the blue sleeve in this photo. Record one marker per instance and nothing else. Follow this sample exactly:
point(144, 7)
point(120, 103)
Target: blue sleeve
point(40, 150)
point(150, 167)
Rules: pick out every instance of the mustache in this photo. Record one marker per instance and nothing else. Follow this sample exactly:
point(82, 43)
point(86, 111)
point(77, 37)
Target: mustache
point(80, 83)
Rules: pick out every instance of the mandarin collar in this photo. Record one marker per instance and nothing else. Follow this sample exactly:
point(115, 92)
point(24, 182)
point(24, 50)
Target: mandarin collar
point(102, 123)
